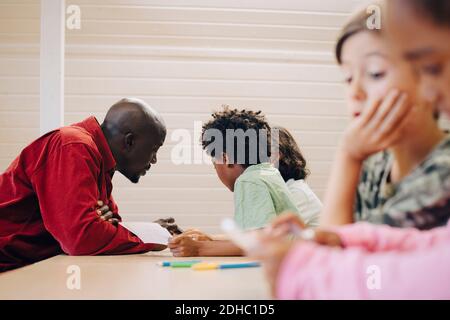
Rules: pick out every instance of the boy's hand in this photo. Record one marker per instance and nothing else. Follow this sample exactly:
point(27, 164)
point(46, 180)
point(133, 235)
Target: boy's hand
point(185, 246)
point(197, 235)
point(105, 214)
point(170, 225)
point(378, 127)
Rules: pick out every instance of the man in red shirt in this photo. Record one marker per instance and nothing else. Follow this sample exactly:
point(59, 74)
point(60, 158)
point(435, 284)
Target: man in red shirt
point(49, 194)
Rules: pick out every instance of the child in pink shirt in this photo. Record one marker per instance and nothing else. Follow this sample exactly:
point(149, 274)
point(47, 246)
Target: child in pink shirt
point(377, 262)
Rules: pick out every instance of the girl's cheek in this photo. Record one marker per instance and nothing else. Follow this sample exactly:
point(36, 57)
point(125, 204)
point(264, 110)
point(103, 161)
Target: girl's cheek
point(349, 99)
point(377, 90)
point(404, 79)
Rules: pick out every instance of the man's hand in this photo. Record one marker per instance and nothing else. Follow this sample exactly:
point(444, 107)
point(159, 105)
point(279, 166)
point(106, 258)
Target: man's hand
point(105, 214)
point(185, 246)
point(170, 225)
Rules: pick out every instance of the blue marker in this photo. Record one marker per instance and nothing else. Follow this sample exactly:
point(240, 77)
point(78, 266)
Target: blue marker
point(239, 265)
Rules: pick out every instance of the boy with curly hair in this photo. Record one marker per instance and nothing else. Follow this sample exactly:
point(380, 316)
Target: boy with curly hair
point(239, 143)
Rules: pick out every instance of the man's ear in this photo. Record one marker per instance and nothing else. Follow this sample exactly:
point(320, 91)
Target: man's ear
point(129, 141)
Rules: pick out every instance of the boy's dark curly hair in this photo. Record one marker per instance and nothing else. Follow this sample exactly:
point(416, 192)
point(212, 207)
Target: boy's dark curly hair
point(239, 120)
point(291, 163)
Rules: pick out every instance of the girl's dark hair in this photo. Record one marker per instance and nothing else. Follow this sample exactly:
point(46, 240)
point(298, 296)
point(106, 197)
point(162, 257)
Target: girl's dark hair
point(436, 10)
point(356, 24)
point(292, 164)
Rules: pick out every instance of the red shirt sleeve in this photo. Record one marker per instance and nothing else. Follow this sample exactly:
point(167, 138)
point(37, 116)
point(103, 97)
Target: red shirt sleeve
point(67, 189)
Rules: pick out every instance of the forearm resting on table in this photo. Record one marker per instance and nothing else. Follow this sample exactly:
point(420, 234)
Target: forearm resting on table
point(219, 237)
point(219, 248)
point(341, 191)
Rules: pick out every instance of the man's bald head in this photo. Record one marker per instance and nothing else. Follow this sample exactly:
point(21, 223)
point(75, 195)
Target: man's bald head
point(132, 114)
point(134, 131)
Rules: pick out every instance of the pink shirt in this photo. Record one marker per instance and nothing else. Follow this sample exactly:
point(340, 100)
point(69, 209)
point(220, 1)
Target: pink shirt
point(379, 262)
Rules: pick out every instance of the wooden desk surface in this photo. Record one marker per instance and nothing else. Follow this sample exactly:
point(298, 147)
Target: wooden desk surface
point(132, 277)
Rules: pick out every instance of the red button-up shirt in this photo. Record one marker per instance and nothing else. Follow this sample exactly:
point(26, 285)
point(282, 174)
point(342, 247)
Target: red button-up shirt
point(48, 199)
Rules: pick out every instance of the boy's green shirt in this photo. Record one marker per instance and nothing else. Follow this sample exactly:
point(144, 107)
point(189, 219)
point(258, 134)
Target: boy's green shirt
point(260, 194)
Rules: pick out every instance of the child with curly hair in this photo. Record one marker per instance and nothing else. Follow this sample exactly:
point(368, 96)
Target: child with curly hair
point(239, 144)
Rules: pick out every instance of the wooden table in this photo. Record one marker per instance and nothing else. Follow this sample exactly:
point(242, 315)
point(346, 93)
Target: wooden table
point(132, 277)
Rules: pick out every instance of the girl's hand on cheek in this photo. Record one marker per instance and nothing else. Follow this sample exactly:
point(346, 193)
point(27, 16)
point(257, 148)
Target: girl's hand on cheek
point(378, 128)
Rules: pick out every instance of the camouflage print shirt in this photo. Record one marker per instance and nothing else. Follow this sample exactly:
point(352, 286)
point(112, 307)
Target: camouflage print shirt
point(420, 200)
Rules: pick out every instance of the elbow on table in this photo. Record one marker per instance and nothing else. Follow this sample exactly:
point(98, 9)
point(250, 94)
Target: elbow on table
point(84, 247)
point(87, 239)
point(79, 250)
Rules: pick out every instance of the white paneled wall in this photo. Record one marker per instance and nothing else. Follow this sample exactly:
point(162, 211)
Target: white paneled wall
point(185, 58)
point(19, 77)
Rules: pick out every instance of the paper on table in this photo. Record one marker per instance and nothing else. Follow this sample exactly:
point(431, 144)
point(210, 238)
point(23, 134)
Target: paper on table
point(148, 232)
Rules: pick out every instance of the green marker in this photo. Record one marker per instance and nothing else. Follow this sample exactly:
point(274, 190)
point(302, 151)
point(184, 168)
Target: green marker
point(183, 264)
point(178, 264)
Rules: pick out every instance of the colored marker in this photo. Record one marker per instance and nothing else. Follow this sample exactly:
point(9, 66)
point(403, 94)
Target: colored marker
point(239, 265)
point(214, 266)
point(183, 264)
point(178, 264)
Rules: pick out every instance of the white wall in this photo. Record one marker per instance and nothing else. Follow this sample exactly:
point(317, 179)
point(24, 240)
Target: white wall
point(19, 77)
point(186, 58)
